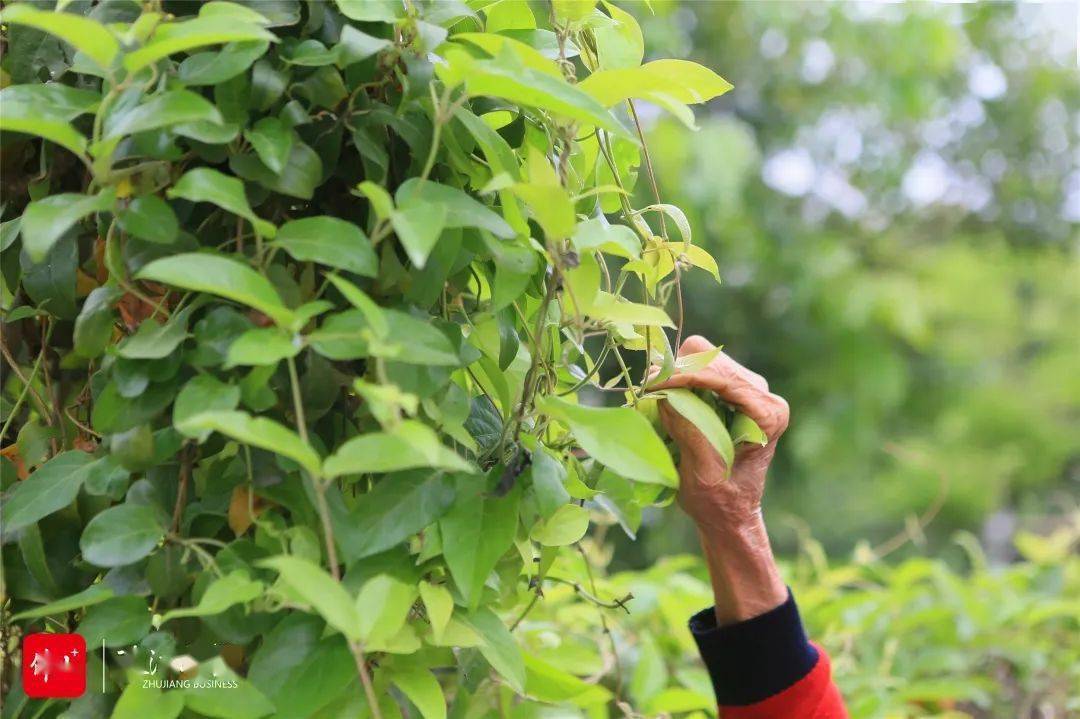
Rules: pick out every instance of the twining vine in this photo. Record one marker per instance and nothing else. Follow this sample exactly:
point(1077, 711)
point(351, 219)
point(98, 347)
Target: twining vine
point(337, 334)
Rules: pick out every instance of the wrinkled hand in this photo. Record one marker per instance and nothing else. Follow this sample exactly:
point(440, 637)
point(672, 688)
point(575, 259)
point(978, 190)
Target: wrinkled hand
point(712, 498)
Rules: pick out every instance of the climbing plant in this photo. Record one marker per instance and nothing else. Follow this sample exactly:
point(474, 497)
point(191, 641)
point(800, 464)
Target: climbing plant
point(327, 330)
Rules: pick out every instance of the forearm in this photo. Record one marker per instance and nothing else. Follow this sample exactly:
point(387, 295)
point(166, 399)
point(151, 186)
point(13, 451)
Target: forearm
point(745, 579)
point(760, 661)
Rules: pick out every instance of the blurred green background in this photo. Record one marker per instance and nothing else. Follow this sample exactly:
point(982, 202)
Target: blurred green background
point(893, 194)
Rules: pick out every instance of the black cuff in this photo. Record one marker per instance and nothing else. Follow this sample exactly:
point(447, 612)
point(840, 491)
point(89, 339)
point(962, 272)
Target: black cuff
point(753, 660)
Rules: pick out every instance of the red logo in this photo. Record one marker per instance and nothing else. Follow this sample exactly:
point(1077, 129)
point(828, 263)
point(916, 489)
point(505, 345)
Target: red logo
point(54, 666)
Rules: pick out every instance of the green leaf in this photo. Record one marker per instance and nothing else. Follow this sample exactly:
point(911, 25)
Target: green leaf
point(597, 235)
point(351, 335)
point(410, 445)
point(461, 209)
point(133, 449)
point(667, 83)
point(153, 341)
point(202, 393)
point(418, 226)
point(33, 120)
point(51, 283)
point(45, 111)
point(380, 199)
point(744, 429)
point(698, 257)
point(223, 276)
point(508, 78)
point(116, 622)
point(499, 647)
point(207, 29)
point(439, 604)
point(697, 361)
point(121, 535)
point(45, 221)
point(423, 690)
point(299, 177)
point(382, 606)
point(106, 478)
point(149, 218)
point(650, 673)
point(234, 588)
point(677, 700)
point(51, 488)
point(330, 241)
point(272, 140)
point(203, 184)
point(619, 43)
point(371, 10)
point(262, 346)
point(258, 432)
point(314, 586)
point(617, 437)
point(139, 702)
point(495, 44)
point(355, 46)
point(681, 80)
point(567, 525)
point(165, 110)
point(612, 308)
point(283, 655)
point(698, 413)
point(549, 683)
point(9, 232)
point(309, 53)
point(114, 413)
point(209, 133)
point(570, 11)
point(89, 37)
point(213, 68)
point(239, 700)
point(94, 594)
point(548, 478)
point(345, 335)
point(551, 207)
point(397, 508)
point(52, 100)
point(476, 532)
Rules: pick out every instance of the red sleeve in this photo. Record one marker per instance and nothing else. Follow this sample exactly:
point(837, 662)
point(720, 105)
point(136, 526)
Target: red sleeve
point(766, 668)
point(815, 696)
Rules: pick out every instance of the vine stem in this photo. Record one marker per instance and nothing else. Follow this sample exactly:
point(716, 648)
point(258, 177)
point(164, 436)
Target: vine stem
point(182, 488)
point(26, 384)
point(525, 612)
point(28, 381)
point(603, 620)
point(319, 490)
point(529, 385)
point(122, 281)
point(591, 597)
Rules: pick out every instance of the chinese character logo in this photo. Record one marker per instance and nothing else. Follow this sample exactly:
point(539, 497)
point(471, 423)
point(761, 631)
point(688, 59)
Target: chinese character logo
point(54, 666)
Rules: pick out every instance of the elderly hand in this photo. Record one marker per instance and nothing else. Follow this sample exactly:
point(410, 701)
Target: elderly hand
point(707, 493)
point(727, 507)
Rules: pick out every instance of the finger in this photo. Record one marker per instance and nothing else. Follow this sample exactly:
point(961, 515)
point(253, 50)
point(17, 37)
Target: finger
point(684, 432)
point(741, 388)
point(696, 344)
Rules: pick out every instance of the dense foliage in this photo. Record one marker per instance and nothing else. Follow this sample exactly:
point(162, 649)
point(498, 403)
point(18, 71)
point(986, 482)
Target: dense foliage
point(296, 292)
point(299, 303)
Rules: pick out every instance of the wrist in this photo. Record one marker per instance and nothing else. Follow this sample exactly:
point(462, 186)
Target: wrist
point(746, 581)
